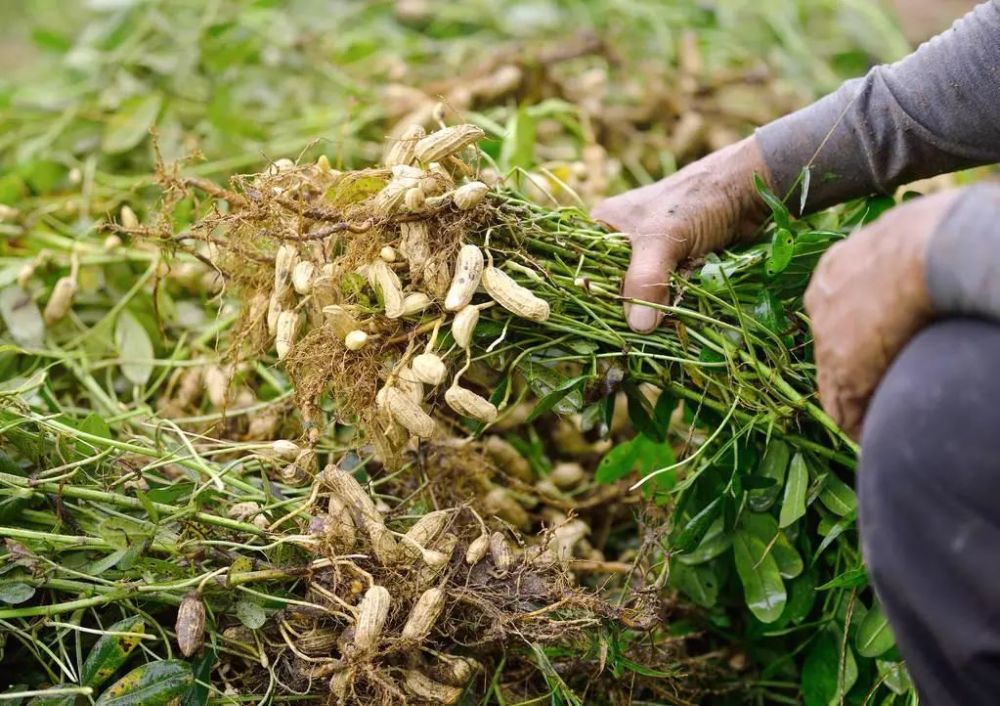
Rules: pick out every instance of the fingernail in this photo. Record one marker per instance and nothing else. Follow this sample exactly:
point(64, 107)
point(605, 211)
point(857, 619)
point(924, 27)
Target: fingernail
point(642, 319)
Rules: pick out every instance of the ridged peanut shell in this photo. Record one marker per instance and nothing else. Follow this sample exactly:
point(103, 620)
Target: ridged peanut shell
point(447, 141)
point(468, 272)
point(477, 549)
point(470, 195)
point(423, 687)
point(429, 369)
point(372, 613)
point(424, 614)
point(516, 299)
point(408, 414)
point(468, 404)
point(190, 625)
point(464, 325)
point(401, 150)
point(385, 280)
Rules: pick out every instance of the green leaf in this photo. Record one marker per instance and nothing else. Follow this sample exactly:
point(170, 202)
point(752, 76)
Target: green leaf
point(110, 652)
point(647, 671)
point(94, 424)
point(838, 497)
point(715, 272)
point(699, 583)
point(51, 40)
point(695, 529)
point(895, 677)
point(641, 414)
point(153, 684)
point(765, 528)
point(762, 586)
point(876, 206)
point(663, 410)
point(835, 531)
point(12, 188)
point(618, 462)
point(251, 614)
point(823, 681)
point(641, 454)
point(147, 505)
point(8, 465)
point(550, 400)
point(133, 553)
point(852, 578)
point(14, 500)
point(15, 592)
point(793, 506)
point(715, 543)
point(654, 456)
point(874, 636)
point(22, 317)
point(777, 206)
point(168, 494)
point(820, 671)
point(801, 597)
point(135, 349)
point(240, 565)
point(544, 379)
point(774, 466)
point(769, 311)
point(519, 144)
point(42, 175)
point(110, 561)
point(197, 695)
point(848, 676)
point(131, 123)
point(781, 252)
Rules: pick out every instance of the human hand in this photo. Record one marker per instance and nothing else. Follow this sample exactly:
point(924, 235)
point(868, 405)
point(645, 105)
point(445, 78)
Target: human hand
point(867, 299)
point(705, 206)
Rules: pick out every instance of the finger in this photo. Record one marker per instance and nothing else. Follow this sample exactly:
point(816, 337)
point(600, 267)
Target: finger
point(609, 214)
point(647, 277)
point(842, 397)
point(854, 407)
point(851, 408)
point(854, 417)
point(626, 212)
point(829, 394)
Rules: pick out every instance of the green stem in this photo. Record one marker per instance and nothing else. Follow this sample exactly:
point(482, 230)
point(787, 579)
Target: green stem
point(95, 495)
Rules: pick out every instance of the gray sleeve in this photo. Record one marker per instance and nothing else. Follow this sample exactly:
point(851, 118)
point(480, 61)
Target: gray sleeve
point(936, 111)
point(963, 257)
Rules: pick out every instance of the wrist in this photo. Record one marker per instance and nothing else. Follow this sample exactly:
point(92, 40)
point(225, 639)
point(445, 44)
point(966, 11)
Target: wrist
point(735, 175)
point(754, 164)
point(962, 259)
point(918, 223)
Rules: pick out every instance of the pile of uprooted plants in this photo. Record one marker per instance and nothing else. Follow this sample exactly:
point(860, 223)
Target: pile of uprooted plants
point(400, 464)
point(429, 321)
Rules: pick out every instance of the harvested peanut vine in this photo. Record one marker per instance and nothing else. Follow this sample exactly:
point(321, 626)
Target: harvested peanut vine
point(380, 286)
point(427, 306)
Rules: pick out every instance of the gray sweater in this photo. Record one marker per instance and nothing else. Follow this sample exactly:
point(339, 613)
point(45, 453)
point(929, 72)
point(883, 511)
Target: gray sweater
point(934, 112)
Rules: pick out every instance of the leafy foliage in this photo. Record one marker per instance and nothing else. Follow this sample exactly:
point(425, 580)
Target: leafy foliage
point(102, 490)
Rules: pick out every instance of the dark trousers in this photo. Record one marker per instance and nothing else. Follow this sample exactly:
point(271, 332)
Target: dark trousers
point(929, 489)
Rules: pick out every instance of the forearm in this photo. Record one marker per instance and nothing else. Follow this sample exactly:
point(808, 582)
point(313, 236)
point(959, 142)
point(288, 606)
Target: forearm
point(936, 111)
point(963, 255)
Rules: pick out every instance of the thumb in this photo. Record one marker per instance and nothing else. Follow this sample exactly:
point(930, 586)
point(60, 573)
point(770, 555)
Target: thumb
point(653, 259)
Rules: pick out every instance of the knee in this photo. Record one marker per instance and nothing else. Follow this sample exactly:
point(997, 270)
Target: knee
point(930, 431)
point(903, 416)
point(893, 451)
